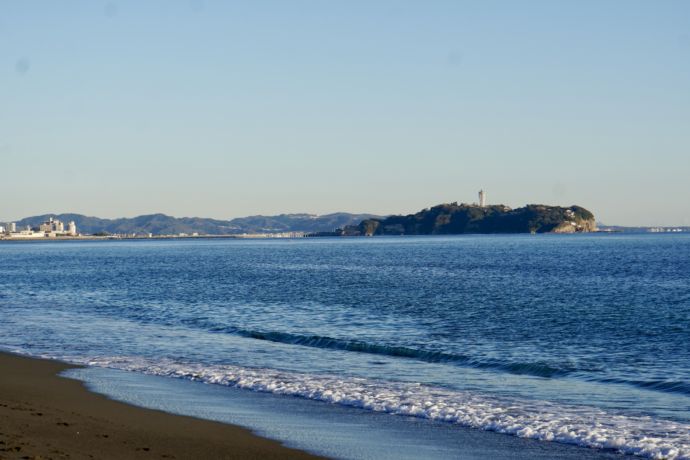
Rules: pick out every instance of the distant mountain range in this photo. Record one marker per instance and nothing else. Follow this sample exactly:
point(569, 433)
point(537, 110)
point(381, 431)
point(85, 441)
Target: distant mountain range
point(447, 218)
point(161, 224)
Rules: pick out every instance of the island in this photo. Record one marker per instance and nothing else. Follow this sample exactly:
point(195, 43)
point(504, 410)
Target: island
point(454, 218)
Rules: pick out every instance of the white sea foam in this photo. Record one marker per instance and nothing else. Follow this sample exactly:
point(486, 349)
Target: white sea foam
point(583, 426)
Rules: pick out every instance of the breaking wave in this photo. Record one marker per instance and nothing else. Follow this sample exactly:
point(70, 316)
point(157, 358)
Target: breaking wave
point(579, 425)
point(536, 369)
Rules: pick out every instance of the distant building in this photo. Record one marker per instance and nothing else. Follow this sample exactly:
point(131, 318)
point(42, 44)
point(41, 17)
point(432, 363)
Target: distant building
point(28, 233)
point(482, 198)
point(52, 226)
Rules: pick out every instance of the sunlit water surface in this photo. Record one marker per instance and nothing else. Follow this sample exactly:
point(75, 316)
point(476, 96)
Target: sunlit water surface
point(577, 339)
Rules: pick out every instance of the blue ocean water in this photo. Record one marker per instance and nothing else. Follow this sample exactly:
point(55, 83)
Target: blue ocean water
point(578, 339)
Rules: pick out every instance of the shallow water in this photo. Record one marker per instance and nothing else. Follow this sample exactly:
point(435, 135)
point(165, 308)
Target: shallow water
point(579, 339)
point(330, 430)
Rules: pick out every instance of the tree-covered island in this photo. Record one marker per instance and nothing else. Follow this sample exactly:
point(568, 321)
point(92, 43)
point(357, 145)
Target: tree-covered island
point(454, 218)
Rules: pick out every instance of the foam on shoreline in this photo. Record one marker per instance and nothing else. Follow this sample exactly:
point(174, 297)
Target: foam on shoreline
point(541, 420)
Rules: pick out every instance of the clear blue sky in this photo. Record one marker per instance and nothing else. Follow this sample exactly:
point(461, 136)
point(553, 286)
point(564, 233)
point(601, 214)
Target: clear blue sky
point(224, 109)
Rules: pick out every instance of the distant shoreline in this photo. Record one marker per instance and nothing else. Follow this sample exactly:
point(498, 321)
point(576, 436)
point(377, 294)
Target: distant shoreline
point(145, 238)
point(121, 238)
point(449, 218)
point(321, 236)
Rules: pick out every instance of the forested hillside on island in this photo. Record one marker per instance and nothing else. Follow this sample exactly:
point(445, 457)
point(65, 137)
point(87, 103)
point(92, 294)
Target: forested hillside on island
point(453, 218)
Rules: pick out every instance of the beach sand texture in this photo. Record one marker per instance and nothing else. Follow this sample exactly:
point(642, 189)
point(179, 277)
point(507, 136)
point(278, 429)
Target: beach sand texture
point(45, 416)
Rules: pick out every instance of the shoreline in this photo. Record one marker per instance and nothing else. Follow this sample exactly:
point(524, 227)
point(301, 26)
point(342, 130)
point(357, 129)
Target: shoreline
point(305, 236)
point(119, 238)
point(45, 415)
point(257, 236)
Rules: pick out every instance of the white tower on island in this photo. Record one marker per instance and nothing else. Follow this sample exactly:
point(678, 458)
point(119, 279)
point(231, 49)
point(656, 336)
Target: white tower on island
point(482, 198)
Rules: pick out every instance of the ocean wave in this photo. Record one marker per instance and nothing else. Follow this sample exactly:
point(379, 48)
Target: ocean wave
point(668, 386)
point(541, 420)
point(537, 369)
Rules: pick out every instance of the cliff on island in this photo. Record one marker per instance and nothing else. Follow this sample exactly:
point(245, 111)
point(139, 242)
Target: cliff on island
point(453, 218)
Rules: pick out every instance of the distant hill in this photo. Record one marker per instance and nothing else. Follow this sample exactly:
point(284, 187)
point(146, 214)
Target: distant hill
point(161, 224)
point(453, 218)
point(297, 222)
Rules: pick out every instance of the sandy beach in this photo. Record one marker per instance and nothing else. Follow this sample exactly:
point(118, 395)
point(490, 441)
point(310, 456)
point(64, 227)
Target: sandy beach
point(43, 415)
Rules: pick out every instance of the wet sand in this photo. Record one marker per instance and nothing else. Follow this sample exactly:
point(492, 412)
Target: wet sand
point(43, 416)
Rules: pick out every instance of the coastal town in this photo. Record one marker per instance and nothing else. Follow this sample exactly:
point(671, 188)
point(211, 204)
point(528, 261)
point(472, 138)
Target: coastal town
point(55, 228)
point(51, 228)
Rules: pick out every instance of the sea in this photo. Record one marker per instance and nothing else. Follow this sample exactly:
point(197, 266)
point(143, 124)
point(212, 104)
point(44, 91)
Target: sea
point(469, 346)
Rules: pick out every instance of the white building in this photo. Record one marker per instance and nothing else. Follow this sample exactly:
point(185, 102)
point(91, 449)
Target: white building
point(8, 228)
point(28, 233)
point(52, 226)
point(482, 198)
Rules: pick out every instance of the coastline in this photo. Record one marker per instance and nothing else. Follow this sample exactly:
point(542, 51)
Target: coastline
point(119, 238)
point(44, 415)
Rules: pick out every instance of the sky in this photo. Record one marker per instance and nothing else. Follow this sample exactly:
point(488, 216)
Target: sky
point(225, 109)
